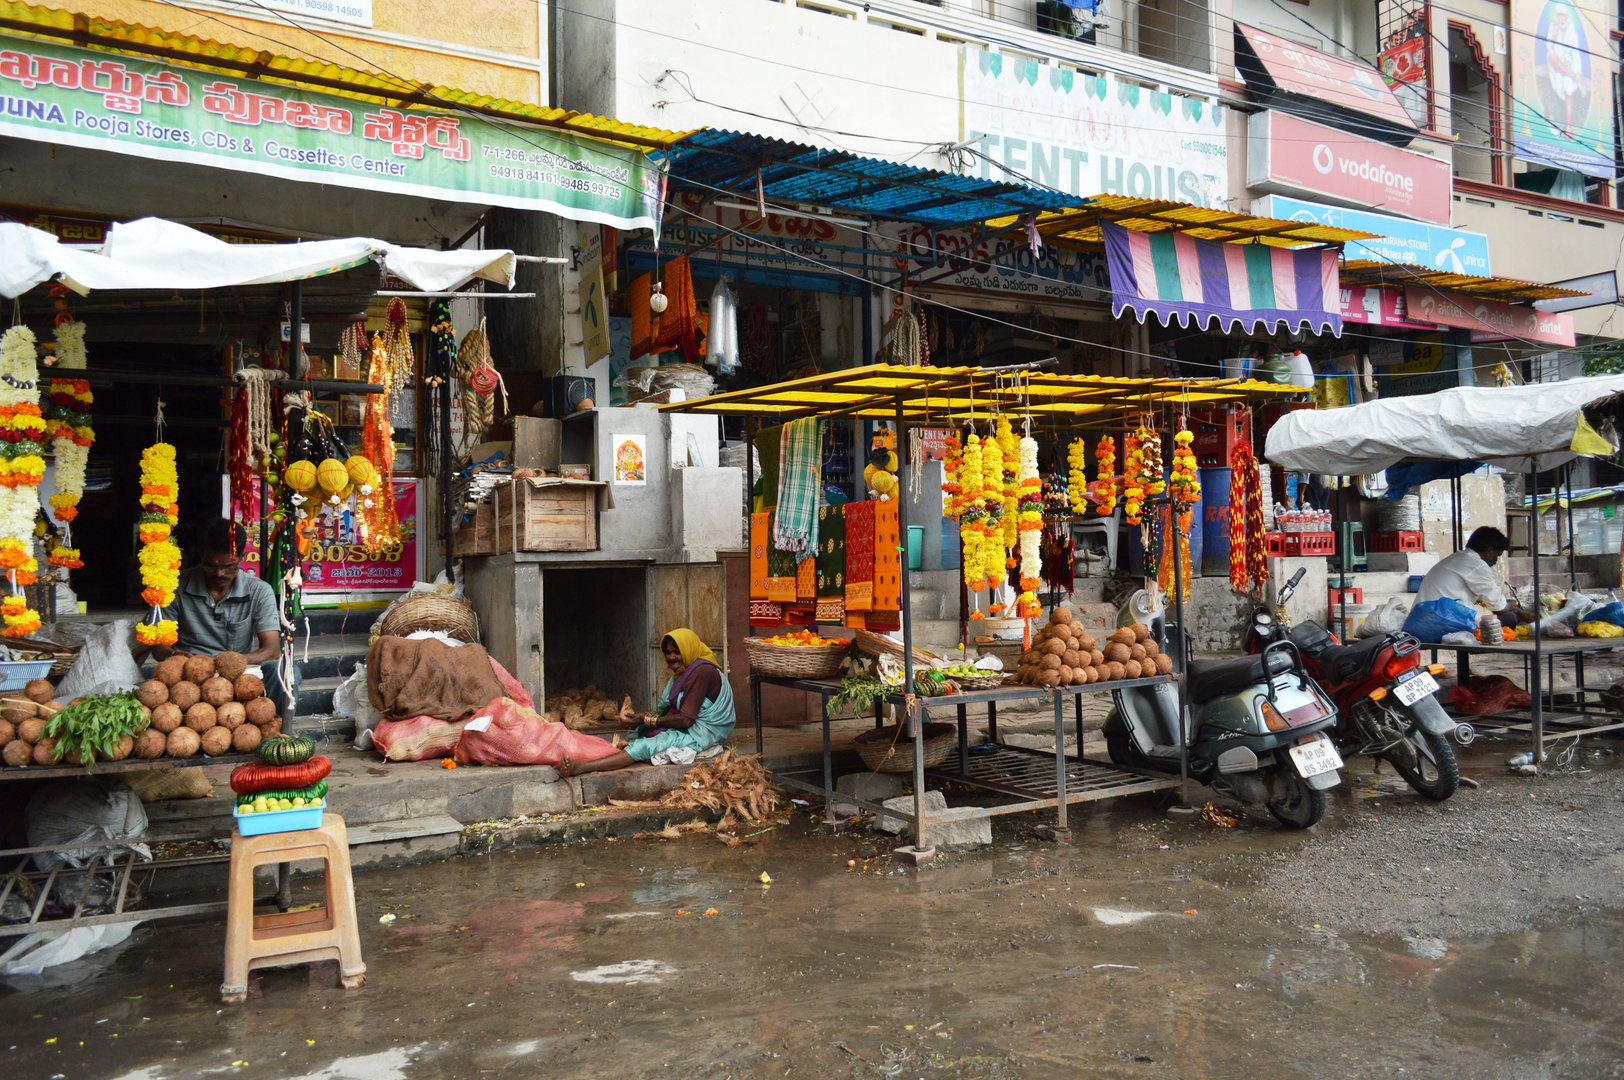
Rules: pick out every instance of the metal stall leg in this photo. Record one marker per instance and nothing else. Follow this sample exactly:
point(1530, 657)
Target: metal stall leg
point(284, 886)
point(992, 721)
point(1535, 690)
point(921, 851)
point(755, 709)
point(828, 764)
point(1077, 700)
point(964, 740)
point(1062, 831)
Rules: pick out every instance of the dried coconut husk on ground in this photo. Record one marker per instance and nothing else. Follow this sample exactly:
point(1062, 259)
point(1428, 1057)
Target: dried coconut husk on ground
point(739, 787)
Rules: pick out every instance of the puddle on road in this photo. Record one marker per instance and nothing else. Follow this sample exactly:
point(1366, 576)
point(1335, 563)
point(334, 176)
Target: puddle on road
point(628, 972)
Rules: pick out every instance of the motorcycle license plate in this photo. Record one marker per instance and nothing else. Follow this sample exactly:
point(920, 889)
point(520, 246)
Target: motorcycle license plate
point(1415, 688)
point(1316, 757)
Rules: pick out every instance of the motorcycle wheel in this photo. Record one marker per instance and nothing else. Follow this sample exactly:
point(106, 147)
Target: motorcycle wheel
point(1303, 808)
point(1118, 743)
point(1437, 773)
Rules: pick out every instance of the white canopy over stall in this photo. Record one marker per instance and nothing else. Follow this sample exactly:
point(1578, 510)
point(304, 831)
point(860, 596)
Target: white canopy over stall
point(1519, 428)
point(152, 253)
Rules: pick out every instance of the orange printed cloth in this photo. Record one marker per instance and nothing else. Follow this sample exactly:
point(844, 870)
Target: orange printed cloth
point(887, 557)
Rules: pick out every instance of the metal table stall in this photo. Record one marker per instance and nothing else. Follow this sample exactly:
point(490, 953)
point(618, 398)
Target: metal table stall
point(1549, 649)
point(924, 396)
point(1027, 779)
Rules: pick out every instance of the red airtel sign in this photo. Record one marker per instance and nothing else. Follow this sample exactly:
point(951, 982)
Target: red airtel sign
point(1290, 156)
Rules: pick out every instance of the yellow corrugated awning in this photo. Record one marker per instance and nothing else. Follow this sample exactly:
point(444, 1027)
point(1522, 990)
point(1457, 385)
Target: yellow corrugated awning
point(941, 395)
point(1369, 272)
point(1081, 227)
point(377, 89)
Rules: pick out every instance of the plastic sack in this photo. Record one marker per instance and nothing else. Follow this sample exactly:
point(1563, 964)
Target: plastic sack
point(422, 738)
point(350, 699)
point(162, 784)
point(722, 335)
point(1389, 618)
point(34, 953)
point(512, 687)
point(70, 812)
point(1609, 613)
point(507, 733)
point(104, 662)
point(1432, 619)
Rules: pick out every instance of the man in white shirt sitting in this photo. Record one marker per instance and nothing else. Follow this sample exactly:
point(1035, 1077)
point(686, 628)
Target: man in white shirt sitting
point(1468, 576)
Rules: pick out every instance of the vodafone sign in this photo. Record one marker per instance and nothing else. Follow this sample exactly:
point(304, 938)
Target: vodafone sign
point(1289, 156)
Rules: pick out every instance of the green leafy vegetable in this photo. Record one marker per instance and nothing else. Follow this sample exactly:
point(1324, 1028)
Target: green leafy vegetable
point(96, 724)
point(860, 692)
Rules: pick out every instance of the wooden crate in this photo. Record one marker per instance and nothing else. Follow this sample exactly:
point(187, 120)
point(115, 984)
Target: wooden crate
point(476, 536)
point(550, 516)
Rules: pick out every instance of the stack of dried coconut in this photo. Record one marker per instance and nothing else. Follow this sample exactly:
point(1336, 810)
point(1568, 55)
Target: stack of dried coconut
point(1063, 655)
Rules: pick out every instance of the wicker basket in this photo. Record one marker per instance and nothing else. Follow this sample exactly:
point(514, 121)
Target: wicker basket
point(63, 657)
point(794, 661)
point(990, 681)
point(879, 645)
point(886, 750)
point(429, 611)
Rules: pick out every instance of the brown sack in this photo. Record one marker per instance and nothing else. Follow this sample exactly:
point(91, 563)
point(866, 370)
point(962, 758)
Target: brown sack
point(429, 678)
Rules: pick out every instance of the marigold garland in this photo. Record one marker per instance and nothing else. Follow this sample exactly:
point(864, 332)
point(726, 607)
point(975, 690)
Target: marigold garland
point(1009, 448)
point(22, 463)
point(992, 497)
point(972, 512)
point(1077, 465)
point(159, 557)
point(67, 424)
point(1030, 530)
point(953, 505)
point(1248, 562)
point(1133, 495)
point(1105, 488)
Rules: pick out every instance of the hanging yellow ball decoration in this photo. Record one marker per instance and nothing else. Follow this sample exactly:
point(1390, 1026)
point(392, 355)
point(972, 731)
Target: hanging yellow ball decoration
point(361, 471)
point(300, 476)
point(332, 475)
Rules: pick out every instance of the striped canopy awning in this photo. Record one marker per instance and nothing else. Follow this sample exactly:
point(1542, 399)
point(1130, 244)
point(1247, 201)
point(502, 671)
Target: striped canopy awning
point(1246, 286)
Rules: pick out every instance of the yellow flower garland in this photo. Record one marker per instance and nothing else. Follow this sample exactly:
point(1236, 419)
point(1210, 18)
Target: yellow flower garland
point(159, 558)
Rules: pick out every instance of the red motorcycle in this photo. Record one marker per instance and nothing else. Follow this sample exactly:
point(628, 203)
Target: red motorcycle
point(1385, 696)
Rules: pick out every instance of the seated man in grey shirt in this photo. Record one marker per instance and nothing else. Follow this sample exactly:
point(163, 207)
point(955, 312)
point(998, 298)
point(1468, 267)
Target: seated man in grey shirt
point(221, 609)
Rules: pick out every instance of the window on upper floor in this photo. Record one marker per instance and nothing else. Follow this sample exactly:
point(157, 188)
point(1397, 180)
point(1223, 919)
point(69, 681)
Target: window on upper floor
point(1177, 32)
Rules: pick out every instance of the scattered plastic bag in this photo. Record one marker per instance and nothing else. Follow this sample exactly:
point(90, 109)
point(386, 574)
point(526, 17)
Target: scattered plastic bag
point(1608, 613)
point(507, 733)
point(1432, 619)
point(104, 662)
point(70, 812)
point(1388, 618)
point(350, 699)
point(34, 953)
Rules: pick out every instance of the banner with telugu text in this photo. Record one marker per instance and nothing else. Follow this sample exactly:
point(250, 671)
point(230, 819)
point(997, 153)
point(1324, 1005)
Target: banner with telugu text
point(105, 101)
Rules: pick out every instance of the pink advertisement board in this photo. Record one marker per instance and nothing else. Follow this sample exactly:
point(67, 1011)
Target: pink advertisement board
point(1290, 156)
point(335, 563)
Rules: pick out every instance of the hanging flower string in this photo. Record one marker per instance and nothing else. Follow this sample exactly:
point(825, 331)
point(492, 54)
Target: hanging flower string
point(1133, 495)
point(1248, 563)
point(972, 511)
point(1030, 527)
point(1009, 450)
point(1077, 463)
point(21, 465)
point(953, 505)
point(992, 527)
point(159, 558)
point(1185, 491)
point(67, 421)
point(1105, 488)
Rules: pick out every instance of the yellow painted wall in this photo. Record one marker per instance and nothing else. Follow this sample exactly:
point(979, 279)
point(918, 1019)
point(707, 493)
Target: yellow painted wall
point(502, 28)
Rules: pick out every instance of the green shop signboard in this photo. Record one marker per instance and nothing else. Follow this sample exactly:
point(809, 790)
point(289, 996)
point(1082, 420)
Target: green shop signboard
point(104, 101)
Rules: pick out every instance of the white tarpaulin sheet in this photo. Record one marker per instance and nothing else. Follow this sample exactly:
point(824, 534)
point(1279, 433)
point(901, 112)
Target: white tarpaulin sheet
point(156, 254)
point(1505, 426)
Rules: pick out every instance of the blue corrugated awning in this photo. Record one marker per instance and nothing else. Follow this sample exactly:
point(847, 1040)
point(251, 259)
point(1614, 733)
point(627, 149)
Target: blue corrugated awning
point(797, 173)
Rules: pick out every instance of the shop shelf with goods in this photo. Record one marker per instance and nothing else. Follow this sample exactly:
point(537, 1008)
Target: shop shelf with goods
point(916, 397)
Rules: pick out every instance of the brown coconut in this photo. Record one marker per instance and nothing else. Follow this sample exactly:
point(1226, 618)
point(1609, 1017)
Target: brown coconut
point(1115, 670)
point(1093, 674)
point(1164, 664)
point(216, 691)
point(45, 752)
point(150, 744)
point(274, 727)
point(183, 695)
point(231, 715)
point(8, 731)
point(1136, 652)
point(261, 711)
point(1069, 658)
point(1086, 641)
point(31, 731)
point(248, 687)
point(122, 748)
point(245, 740)
point(1031, 656)
point(1150, 647)
point(152, 693)
point(1141, 632)
point(1065, 675)
point(199, 669)
point(183, 742)
point(1051, 662)
point(1054, 646)
point(39, 690)
point(17, 754)
point(171, 671)
point(1125, 636)
point(229, 665)
point(1131, 669)
point(167, 717)
point(16, 717)
point(1096, 658)
point(1060, 615)
point(1116, 652)
point(201, 717)
point(216, 741)
point(1079, 676)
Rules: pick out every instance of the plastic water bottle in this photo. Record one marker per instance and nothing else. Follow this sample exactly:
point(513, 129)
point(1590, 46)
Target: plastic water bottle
point(1524, 758)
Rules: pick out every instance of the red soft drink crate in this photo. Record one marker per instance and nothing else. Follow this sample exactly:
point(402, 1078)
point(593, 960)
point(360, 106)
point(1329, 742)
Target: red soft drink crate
point(1396, 541)
point(1355, 596)
point(1274, 544)
point(1310, 543)
point(1218, 431)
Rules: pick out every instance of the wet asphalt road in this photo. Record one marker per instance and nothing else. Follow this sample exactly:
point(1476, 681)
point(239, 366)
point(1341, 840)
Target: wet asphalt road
point(1397, 939)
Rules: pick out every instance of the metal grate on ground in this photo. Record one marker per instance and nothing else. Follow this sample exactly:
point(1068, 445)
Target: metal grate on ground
point(1030, 775)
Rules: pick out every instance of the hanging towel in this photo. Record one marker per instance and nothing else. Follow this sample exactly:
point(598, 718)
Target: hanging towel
point(642, 317)
point(679, 324)
point(800, 468)
point(806, 580)
point(859, 556)
point(766, 613)
point(887, 557)
point(760, 536)
point(855, 620)
point(766, 442)
point(831, 565)
point(780, 569)
point(883, 621)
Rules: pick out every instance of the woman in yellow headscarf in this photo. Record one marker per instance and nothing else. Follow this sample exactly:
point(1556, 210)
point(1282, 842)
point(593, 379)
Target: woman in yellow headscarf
point(695, 711)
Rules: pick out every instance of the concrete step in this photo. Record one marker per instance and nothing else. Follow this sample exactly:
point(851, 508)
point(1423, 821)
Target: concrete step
point(344, 621)
point(936, 635)
point(316, 695)
point(925, 603)
point(329, 655)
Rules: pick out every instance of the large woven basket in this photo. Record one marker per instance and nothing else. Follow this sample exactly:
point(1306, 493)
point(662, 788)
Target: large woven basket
point(429, 611)
point(794, 661)
point(990, 681)
point(887, 750)
point(880, 645)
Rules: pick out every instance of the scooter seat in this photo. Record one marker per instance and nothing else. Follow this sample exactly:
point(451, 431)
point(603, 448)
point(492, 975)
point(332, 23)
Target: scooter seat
point(1214, 678)
point(1339, 663)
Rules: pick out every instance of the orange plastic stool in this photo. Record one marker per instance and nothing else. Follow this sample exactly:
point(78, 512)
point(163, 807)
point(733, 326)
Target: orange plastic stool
point(292, 937)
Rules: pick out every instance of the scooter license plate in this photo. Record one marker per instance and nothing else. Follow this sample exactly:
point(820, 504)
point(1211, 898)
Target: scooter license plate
point(1316, 757)
point(1415, 688)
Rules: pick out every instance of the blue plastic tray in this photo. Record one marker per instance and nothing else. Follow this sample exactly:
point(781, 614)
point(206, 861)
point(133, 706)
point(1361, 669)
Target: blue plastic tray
point(15, 674)
point(273, 821)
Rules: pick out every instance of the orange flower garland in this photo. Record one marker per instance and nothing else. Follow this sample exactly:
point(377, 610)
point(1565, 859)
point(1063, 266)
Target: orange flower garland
point(1105, 488)
point(1133, 495)
point(21, 465)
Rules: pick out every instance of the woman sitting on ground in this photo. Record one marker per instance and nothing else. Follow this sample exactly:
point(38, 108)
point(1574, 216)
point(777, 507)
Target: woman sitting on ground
point(696, 709)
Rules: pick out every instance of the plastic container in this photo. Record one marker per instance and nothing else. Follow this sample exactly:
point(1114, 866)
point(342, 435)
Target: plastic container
point(1347, 629)
point(1214, 523)
point(15, 674)
point(274, 821)
point(1005, 629)
point(1415, 582)
point(916, 546)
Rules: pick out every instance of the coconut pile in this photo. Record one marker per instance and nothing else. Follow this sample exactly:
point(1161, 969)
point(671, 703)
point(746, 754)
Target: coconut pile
point(1063, 655)
point(207, 703)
